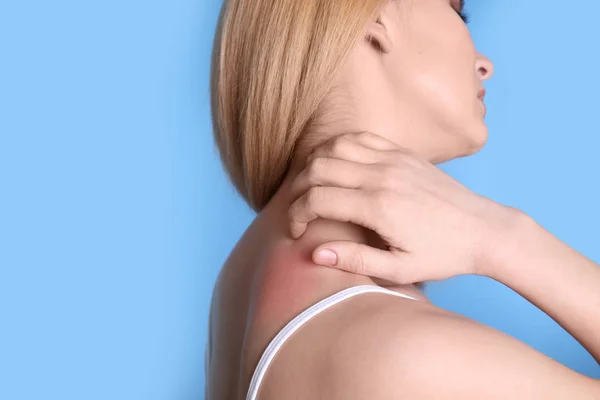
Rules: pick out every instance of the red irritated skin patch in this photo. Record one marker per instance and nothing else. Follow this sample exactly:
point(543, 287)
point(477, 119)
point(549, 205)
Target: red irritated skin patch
point(287, 281)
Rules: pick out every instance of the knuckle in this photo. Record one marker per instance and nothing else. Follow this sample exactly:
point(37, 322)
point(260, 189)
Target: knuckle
point(314, 196)
point(339, 146)
point(358, 263)
point(317, 152)
point(316, 168)
point(364, 135)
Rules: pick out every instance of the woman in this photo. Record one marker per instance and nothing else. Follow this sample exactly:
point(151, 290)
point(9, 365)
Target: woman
point(329, 117)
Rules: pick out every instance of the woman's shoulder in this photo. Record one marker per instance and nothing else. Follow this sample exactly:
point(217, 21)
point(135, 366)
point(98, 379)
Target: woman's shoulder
point(423, 351)
point(338, 342)
point(381, 346)
point(376, 345)
point(290, 284)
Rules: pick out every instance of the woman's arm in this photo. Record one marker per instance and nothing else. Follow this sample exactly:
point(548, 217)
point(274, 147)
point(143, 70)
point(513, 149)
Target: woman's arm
point(448, 357)
point(434, 228)
point(553, 276)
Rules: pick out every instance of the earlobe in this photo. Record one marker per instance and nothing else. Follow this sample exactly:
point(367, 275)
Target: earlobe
point(378, 34)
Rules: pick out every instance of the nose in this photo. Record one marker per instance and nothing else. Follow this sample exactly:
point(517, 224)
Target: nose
point(484, 66)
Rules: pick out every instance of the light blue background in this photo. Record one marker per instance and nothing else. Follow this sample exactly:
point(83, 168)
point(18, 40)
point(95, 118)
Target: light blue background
point(115, 214)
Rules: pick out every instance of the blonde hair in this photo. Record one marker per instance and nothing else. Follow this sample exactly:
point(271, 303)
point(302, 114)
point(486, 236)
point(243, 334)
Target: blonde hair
point(273, 64)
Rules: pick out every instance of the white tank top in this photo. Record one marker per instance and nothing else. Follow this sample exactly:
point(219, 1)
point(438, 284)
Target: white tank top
point(298, 321)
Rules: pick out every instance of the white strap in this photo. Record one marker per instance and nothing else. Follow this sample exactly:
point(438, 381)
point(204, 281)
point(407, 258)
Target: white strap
point(300, 320)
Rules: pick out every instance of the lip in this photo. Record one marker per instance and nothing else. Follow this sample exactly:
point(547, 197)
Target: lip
point(481, 94)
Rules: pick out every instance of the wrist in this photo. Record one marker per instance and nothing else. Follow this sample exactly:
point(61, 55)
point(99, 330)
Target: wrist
point(509, 229)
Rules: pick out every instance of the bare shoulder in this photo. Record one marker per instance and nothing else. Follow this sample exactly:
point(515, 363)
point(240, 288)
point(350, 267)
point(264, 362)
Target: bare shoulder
point(404, 350)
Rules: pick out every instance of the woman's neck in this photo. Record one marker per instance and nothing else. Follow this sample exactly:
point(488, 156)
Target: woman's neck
point(323, 230)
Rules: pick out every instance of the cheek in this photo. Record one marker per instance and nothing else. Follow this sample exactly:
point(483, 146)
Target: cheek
point(449, 84)
point(444, 67)
point(442, 90)
point(445, 94)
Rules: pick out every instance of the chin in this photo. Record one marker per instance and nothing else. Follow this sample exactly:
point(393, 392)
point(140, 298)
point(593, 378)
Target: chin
point(462, 142)
point(477, 139)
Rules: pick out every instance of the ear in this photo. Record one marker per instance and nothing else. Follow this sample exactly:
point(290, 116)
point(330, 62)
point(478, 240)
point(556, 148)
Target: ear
point(378, 34)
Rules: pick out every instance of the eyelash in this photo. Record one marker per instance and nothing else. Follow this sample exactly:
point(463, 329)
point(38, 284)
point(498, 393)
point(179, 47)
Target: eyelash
point(464, 16)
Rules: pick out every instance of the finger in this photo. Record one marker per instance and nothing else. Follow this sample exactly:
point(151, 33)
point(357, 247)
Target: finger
point(333, 172)
point(339, 204)
point(365, 260)
point(344, 148)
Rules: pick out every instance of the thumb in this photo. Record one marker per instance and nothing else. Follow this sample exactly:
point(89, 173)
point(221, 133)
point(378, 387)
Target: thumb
point(363, 260)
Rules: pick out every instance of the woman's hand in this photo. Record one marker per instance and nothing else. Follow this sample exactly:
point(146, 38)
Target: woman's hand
point(434, 227)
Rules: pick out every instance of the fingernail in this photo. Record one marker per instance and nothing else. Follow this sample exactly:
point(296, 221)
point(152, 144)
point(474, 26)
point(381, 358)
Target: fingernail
point(326, 257)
